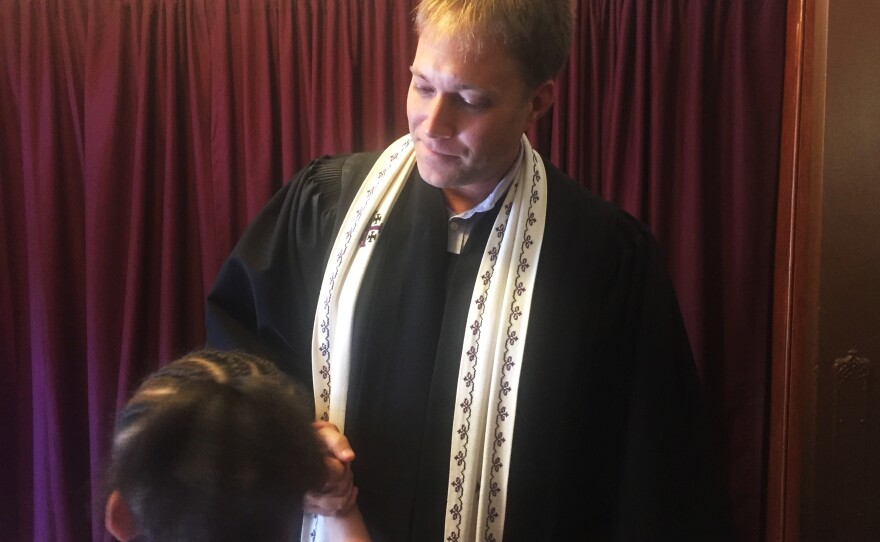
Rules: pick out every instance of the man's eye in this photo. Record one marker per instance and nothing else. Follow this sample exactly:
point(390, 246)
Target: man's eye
point(423, 90)
point(476, 104)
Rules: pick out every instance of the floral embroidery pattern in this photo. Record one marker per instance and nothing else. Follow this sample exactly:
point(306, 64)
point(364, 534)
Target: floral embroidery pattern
point(516, 312)
point(491, 359)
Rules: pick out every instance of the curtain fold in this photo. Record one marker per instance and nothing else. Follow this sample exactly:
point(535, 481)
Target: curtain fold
point(139, 137)
point(672, 111)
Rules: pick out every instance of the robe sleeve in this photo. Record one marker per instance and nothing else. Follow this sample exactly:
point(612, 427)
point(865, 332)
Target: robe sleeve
point(263, 300)
point(671, 485)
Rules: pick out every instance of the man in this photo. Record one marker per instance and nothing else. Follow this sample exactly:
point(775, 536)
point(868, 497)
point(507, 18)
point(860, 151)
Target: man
point(503, 349)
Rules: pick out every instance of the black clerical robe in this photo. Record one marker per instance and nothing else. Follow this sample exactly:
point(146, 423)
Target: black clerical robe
point(610, 439)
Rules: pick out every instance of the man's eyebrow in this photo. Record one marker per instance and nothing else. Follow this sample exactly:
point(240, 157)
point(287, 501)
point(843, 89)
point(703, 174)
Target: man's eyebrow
point(458, 86)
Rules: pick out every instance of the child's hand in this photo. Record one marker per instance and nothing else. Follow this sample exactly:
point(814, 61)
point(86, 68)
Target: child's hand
point(339, 494)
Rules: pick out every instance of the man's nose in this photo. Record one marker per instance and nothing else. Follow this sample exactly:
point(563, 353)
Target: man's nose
point(439, 117)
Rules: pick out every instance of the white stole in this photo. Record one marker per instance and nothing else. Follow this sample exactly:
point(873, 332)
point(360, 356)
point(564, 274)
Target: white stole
point(494, 339)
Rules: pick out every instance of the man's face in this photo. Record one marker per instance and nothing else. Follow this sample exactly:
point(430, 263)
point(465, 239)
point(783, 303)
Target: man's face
point(466, 115)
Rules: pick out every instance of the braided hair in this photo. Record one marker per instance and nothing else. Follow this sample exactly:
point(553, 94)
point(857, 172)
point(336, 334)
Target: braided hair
point(216, 446)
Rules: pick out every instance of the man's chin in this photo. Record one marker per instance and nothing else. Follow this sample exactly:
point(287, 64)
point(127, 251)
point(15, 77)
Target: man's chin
point(435, 176)
point(437, 182)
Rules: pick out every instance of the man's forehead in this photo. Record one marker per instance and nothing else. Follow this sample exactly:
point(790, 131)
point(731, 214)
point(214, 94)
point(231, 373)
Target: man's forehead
point(447, 61)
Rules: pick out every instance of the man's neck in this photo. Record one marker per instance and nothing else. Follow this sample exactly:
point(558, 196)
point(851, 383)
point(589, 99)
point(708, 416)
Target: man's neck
point(462, 198)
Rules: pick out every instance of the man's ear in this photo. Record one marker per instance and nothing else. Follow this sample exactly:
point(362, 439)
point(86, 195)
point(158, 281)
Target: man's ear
point(542, 98)
point(118, 518)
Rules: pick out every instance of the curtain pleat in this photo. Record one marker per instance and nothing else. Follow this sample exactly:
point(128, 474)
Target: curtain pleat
point(139, 137)
point(47, 253)
point(672, 111)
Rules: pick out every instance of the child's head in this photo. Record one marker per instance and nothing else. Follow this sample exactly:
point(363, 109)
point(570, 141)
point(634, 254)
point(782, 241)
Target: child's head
point(214, 446)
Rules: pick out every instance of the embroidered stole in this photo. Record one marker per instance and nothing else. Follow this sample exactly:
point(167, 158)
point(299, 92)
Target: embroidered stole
point(494, 341)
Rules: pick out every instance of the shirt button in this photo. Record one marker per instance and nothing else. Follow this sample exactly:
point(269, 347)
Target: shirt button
point(453, 226)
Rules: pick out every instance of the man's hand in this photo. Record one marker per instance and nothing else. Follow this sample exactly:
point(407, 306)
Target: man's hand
point(339, 495)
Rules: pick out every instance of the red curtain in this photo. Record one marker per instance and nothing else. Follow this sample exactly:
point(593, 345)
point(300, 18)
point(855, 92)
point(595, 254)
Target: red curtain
point(139, 137)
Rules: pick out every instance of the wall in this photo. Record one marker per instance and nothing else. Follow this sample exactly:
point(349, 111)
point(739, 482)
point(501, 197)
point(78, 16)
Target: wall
point(846, 494)
point(823, 473)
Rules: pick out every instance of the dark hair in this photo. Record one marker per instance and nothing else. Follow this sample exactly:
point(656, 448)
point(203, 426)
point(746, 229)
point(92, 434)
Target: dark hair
point(216, 446)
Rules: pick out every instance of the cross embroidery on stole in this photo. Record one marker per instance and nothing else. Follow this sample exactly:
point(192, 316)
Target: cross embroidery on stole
point(372, 231)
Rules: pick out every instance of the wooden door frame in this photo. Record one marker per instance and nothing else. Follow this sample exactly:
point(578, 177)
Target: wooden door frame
point(794, 350)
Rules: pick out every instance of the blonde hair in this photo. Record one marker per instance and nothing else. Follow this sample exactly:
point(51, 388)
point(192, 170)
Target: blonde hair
point(537, 33)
